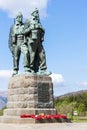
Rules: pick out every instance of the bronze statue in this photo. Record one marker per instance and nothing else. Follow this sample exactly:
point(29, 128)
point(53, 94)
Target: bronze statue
point(17, 44)
point(27, 38)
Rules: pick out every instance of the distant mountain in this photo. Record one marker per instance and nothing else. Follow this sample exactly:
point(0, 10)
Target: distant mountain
point(3, 101)
point(3, 98)
point(3, 93)
point(70, 94)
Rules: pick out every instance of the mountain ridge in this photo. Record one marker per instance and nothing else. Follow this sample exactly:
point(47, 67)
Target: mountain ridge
point(3, 98)
point(70, 94)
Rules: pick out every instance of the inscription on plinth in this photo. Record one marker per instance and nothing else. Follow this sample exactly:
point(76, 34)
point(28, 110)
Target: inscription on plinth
point(43, 93)
point(45, 96)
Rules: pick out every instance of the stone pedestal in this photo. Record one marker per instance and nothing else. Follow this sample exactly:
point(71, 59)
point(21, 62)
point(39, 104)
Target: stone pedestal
point(28, 95)
point(30, 92)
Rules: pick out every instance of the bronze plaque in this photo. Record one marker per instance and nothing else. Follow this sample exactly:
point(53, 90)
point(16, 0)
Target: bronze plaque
point(43, 93)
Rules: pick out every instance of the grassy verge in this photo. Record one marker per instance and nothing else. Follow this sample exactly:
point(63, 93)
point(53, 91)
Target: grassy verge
point(78, 119)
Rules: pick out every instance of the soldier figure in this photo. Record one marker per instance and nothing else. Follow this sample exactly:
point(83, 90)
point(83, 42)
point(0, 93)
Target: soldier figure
point(35, 35)
point(17, 44)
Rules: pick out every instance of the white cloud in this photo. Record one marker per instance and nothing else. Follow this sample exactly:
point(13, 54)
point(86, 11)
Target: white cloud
point(26, 6)
point(5, 73)
point(57, 79)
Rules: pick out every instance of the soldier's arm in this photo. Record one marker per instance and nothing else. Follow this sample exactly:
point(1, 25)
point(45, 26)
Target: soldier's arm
point(27, 31)
point(11, 39)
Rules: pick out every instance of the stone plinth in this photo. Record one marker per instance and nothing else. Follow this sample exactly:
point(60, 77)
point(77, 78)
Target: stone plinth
point(28, 95)
point(30, 92)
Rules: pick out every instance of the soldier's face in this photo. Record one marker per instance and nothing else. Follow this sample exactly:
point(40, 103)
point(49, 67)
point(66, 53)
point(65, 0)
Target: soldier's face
point(19, 19)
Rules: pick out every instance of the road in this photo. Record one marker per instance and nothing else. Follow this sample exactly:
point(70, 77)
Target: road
point(50, 126)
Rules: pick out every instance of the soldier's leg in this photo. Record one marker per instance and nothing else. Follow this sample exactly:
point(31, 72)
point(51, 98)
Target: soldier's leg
point(43, 66)
point(36, 62)
point(26, 57)
point(16, 58)
point(32, 52)
point(42, 57)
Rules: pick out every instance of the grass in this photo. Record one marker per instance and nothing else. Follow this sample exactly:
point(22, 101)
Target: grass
point(1, 112)
point(78, 119)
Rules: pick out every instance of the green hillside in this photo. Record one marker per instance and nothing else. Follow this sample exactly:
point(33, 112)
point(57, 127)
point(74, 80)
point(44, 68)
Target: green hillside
point(70, 103)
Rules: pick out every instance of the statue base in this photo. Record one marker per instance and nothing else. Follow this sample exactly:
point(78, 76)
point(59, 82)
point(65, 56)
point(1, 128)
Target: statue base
point(29, 95)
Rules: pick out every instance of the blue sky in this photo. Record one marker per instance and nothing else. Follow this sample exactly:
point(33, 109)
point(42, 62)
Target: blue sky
point(65, 23)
